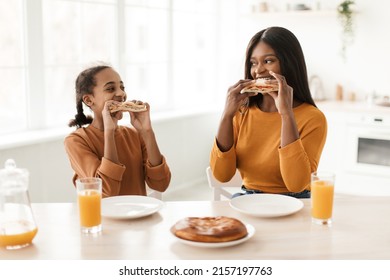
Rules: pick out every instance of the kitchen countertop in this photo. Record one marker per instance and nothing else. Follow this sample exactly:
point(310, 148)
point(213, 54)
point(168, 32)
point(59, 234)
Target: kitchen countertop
point(352, 107)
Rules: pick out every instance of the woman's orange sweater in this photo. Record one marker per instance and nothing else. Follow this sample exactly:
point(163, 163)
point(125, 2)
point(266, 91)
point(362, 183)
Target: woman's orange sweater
point(257, 154)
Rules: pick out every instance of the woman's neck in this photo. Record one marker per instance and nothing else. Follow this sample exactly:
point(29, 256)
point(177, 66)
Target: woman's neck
point(267, 104)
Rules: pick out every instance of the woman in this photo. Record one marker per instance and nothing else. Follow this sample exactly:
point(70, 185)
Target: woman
point(275, 140)
point(123, 157)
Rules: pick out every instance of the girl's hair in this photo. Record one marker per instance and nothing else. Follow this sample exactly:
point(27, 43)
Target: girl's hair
point(85, 83)
point(291, 58)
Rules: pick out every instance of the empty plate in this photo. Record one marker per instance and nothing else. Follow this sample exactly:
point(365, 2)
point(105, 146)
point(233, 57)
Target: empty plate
point(266, 205)
point(130, 206)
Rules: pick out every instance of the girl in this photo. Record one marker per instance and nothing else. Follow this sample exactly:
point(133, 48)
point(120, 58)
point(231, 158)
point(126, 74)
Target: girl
point(275, 140)
point(123, 157)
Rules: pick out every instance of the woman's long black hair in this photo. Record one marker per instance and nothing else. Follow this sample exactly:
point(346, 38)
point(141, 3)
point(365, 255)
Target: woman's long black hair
point(292, 61)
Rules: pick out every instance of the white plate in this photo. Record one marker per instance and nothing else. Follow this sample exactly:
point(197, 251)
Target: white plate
point(266, 205)
point(251, 231)
point(130, 206)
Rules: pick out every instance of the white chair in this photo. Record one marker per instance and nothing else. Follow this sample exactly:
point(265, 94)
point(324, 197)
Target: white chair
point(221, 189)
point(153, 193)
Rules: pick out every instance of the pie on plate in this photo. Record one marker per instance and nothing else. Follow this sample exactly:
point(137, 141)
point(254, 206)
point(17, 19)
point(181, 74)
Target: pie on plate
point(209, 229)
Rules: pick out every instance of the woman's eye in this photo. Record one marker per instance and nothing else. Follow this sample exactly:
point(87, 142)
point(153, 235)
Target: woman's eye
point(268, 61)
point(111, 89)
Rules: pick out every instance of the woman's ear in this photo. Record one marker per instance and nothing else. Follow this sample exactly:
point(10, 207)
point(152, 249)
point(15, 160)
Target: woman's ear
point(87, 100)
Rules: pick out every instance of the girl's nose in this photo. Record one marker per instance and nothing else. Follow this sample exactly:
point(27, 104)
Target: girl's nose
point(120, 93)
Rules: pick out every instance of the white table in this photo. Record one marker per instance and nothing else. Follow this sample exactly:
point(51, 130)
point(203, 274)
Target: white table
point(361, 230)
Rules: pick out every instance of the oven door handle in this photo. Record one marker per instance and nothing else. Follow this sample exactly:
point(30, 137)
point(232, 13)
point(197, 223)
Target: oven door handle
point(375, 134)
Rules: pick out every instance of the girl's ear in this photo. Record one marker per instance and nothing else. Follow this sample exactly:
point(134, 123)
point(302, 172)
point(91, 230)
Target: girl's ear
point(87, 100)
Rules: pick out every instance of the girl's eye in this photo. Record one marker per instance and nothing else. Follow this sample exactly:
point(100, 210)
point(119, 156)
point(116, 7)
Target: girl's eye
point(253, 63)
point(268, 61)
point(111, 89)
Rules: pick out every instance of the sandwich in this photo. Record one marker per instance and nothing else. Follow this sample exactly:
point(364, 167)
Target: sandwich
point(128, 106)
point(261, 85)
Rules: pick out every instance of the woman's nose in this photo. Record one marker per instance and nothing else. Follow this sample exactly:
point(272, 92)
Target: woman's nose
point(259, 68)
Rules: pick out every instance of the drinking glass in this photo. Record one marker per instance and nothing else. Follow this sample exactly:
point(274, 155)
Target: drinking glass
point(322, 193)
point(89, 196)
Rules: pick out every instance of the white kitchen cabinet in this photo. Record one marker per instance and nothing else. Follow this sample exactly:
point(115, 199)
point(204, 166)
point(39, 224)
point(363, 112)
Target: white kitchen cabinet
point(349, 123)
point(332, 155)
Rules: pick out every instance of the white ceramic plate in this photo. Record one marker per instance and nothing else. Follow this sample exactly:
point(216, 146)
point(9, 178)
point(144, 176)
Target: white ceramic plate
point(266, 205)
point(130, 206)
point(251, 231)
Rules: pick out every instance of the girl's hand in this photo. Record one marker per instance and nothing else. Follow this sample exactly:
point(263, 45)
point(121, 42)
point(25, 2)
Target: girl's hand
point(141, 120)
point(235, 98)
point(110, 120)
point(284, 97)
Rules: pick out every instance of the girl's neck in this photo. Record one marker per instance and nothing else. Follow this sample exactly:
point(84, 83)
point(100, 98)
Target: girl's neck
point(97, 124)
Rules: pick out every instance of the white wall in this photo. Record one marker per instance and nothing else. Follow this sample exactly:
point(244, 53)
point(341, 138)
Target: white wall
point(185, 142)
point(50, 174)
point(365, 70)
point(366, 67)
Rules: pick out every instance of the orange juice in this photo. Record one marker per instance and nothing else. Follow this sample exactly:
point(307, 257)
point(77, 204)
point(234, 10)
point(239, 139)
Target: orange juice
point(89, 207)
point(322, 199)
point(17, 234)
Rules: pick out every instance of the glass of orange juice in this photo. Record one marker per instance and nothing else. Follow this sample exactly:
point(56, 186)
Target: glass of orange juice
point(89, 197)
point(322, 192)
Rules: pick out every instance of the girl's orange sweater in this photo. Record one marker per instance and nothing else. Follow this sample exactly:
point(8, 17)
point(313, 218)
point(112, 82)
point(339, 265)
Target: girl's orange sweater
point(85, 149)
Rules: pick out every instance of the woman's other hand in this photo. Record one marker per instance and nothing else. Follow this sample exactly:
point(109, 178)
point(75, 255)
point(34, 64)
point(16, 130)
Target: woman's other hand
point(284, 97)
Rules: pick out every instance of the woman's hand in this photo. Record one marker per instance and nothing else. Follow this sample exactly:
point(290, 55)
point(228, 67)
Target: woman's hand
point(284, 97)
point(141, 120)
point(235, 98)
point(110, 120)
point(284, 103)
point(234, 101)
